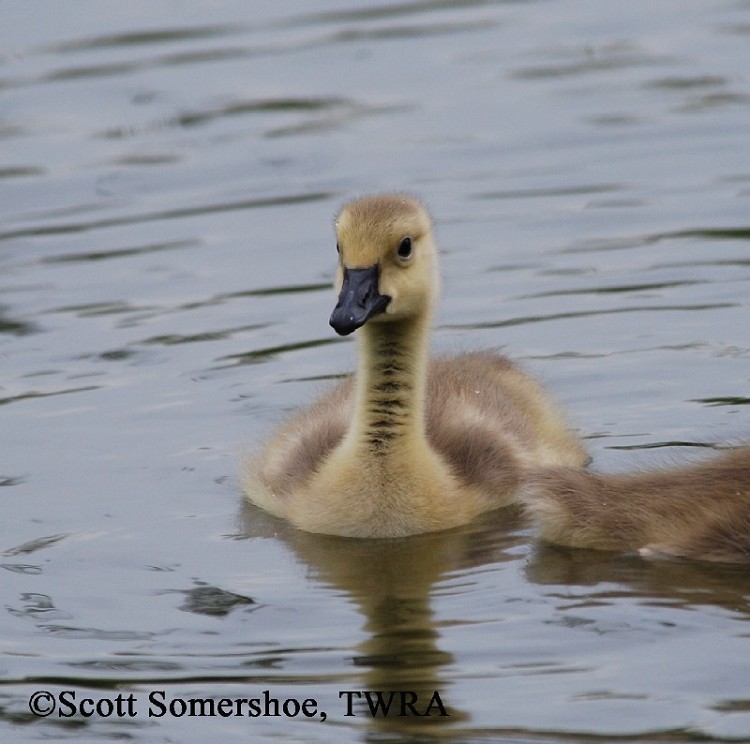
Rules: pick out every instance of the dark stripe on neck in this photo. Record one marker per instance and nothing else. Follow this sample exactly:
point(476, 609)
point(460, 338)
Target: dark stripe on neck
point(389, 407)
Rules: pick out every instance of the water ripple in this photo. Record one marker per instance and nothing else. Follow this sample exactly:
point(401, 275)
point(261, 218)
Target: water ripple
point(236, 108)
point(119, 252)
point(535, 193)
point(173, 339)
point(31, 546)
point(15, 327)
point(731, 400)
point(143, 38)
point(591, 60)
point(376, 13)
point(166, 214)
point(35, 394)
point(263, 355)
point(616, 289)
point(739, 232)
point(204, 599)
point(589, 314)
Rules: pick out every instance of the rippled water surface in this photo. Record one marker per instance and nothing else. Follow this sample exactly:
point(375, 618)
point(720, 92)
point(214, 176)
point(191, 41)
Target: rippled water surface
point(168, 176)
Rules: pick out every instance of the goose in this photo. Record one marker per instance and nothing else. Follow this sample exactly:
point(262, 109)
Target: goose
point(408, 445)
point(699, 511)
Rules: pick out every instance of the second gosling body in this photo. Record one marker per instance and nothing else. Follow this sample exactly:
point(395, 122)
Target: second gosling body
point(408, 445)
point(699, 511)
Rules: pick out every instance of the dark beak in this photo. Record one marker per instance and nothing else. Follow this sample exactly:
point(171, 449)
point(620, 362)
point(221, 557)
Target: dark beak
point(359, 300)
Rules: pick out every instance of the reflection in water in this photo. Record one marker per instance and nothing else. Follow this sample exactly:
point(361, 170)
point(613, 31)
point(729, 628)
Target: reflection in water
point(662, 581)
point(392, 582)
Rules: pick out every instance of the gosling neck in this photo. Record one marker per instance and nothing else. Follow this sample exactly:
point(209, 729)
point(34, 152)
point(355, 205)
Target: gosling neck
point(390, 397)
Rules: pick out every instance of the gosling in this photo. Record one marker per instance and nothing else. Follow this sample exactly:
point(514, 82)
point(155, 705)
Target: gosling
point(700, 511)
point(408, 445)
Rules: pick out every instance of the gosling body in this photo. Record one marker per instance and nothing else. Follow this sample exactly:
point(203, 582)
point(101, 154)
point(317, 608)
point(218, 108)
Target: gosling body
point(700, 511)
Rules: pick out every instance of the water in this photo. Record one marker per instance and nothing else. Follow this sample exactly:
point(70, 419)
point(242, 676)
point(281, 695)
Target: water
point(169, 172)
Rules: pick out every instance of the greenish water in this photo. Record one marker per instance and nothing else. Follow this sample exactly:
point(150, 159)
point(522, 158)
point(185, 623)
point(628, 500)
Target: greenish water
point(168, 178)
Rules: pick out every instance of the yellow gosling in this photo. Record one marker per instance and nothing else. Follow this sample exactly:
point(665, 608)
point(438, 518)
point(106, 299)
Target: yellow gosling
point(409, 445)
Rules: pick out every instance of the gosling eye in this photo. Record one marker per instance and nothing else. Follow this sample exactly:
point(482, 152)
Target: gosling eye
point(338, 249)
point(404, 249)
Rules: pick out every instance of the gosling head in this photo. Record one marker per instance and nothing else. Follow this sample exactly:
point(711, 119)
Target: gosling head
point(387, 266)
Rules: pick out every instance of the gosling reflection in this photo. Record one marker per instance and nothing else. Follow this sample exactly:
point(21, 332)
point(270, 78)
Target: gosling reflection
point(393, 583)
point(664, 580)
